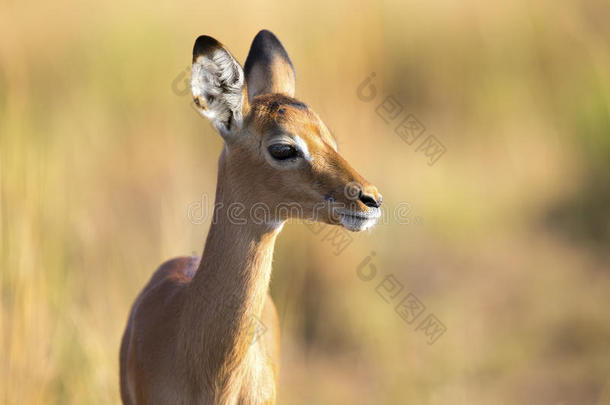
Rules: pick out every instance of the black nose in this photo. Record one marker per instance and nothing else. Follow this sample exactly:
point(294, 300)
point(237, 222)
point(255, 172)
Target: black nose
point(369, 200)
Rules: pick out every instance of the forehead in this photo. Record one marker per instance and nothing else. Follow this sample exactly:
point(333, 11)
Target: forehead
point(276, 113)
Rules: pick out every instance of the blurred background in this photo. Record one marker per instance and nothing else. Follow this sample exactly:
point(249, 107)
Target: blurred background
point(506, 235)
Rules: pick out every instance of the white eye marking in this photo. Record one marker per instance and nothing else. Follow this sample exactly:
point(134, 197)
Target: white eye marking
point(300, 143)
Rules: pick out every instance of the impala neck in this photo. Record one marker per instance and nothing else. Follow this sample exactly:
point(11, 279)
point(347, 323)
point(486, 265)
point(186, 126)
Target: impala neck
point(227, 294)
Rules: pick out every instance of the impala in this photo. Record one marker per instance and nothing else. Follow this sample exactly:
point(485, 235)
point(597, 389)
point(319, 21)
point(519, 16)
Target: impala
point(189, 336)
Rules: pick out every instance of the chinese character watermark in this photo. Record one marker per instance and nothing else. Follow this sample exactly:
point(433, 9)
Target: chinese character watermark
point(407, 306)
point(406, 125)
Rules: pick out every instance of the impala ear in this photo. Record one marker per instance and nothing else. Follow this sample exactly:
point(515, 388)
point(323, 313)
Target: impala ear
point(217, 84)
point(268, 68)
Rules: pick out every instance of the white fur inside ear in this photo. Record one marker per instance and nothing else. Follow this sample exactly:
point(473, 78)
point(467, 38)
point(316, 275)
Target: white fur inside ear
point(217, 82)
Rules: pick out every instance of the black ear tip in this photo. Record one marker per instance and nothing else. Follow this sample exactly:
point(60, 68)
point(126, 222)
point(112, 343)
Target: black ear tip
point(266, 33)
point(203, 45)
point(264, 45)
point(266, 36)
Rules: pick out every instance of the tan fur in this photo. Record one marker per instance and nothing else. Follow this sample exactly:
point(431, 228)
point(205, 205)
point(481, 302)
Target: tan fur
point(279, 69)
point(188, 338)
point(284, 70)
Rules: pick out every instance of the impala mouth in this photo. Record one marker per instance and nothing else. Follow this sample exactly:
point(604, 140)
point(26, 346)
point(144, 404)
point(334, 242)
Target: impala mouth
point(359, 220)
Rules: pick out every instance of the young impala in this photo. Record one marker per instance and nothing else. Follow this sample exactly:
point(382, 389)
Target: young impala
point(189, 335)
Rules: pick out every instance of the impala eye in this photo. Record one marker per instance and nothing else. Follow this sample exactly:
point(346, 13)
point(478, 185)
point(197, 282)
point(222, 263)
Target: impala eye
point(281, 151)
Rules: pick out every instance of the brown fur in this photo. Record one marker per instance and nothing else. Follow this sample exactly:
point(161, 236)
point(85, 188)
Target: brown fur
point(188, 337)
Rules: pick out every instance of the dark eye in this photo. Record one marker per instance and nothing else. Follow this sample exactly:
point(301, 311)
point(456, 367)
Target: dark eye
point(282, 151)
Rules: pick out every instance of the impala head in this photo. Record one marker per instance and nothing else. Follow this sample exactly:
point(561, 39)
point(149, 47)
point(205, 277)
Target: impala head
point(278, 152)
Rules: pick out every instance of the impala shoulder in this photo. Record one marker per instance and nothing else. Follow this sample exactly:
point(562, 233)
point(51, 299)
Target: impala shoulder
point(179, 269)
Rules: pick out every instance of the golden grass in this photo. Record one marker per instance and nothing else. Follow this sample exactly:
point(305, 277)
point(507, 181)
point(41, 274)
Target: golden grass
point(99, 161)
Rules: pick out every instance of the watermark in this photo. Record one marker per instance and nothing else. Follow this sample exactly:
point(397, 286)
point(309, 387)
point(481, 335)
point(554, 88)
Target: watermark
point(237, 213)
point(407, 306)
point(256, 329)
point(406, 125)
point(231, 306)
point(181, 86)
point(315, 219)
point(339, 238)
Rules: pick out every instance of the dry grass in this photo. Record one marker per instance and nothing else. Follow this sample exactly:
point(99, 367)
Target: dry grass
point(99, 160)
